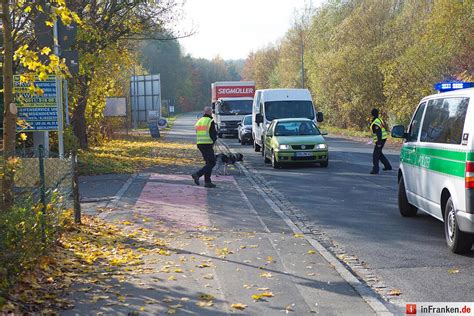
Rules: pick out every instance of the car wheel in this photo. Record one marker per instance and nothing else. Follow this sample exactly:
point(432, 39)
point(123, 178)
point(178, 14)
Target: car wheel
point(325, 164)
point(406, 209)
point(458, 241)
point(275, 163)
point(256, 147)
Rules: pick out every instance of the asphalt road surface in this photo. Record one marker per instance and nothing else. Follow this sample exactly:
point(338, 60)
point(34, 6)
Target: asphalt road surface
point(359, 212)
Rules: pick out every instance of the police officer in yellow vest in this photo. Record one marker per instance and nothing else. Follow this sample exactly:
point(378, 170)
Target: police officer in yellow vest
point(380, 135)
point(206, 136)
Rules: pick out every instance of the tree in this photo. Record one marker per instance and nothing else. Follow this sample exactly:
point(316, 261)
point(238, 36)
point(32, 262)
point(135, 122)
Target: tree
point(107, 24)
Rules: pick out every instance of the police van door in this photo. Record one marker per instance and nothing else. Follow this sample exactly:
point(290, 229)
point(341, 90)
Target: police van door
point(441, 155)
point(408, 155)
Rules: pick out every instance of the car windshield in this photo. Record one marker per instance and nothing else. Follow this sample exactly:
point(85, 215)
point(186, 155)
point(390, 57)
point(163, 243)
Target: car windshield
point(248, 120)
point(296, 128)
point(289, 109)
point(235, 107)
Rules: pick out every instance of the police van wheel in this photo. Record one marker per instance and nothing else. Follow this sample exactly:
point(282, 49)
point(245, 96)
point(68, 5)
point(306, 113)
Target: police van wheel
point(406, 209)
point(324, 164)
point(458, 241)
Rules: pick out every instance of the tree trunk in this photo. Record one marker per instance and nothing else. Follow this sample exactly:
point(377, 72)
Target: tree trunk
point(78, 121)
point(9, 116)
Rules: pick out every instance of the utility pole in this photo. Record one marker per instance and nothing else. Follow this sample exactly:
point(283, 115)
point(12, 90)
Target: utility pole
point(302, 58)
point(10, 110)
point(59, 96)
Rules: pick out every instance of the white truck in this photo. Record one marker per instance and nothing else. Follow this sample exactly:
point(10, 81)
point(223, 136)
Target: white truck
point(231, 101)
point(270, 104)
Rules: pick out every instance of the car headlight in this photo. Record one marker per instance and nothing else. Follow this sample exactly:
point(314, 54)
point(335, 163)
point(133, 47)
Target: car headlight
point(321, 146)
point(284, 147)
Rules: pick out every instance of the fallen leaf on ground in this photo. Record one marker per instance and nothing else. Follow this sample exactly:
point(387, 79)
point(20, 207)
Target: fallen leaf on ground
point(453, 271)
point(311, 252)
point(263, 289)
point(204, 303)
point(266, 275)
point(238, 306)
point(395, 292)
point(296, 235)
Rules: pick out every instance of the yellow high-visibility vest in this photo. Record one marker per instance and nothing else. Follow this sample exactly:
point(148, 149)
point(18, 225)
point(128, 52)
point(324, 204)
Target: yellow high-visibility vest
point(202, 131)
point(378, 122)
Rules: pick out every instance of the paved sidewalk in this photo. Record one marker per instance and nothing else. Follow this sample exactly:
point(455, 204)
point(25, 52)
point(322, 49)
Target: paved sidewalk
point(224, 246)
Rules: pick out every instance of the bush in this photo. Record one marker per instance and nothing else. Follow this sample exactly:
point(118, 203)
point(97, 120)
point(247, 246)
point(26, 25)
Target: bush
point(25, 234)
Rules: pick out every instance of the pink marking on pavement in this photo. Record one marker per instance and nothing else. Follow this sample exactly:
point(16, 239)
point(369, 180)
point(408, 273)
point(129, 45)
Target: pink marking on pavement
point(177, 205)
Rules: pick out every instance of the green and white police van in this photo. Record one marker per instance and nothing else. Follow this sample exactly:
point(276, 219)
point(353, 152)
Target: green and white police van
point(436, 172)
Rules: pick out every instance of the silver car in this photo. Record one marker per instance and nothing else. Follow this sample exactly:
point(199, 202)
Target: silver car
point(244, 131)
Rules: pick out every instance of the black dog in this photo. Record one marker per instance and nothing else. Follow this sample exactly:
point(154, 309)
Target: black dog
point(223, 161)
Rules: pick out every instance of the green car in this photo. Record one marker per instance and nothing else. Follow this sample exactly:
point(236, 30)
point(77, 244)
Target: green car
point(294, 141)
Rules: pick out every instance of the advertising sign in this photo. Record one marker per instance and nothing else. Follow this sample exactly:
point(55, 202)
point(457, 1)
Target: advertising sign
point(232, 89)
point(38, 112)
point(115, 106)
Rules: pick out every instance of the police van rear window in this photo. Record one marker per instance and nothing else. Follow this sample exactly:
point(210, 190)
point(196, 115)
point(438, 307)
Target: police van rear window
point(444, 120)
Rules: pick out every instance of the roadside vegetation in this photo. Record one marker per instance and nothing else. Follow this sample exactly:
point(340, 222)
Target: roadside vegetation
point(360, 54)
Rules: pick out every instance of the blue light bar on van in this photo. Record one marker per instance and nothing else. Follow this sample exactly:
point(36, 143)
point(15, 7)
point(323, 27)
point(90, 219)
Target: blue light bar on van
point(450, 86)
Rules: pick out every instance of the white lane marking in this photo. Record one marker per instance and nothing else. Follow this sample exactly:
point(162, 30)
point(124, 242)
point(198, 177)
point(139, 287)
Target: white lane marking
point(116, 199)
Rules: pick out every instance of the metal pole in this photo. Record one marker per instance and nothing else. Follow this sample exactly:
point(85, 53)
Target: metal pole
point(66, 102)
point(59, 97)
point(302, 60)
point(75, 188)
point(42, 191)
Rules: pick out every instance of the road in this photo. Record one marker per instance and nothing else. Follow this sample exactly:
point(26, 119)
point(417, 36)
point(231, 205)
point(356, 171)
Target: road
point(358, 212)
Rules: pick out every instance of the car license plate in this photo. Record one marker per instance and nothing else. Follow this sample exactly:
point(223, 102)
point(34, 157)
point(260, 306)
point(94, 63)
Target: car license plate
point(304, 154)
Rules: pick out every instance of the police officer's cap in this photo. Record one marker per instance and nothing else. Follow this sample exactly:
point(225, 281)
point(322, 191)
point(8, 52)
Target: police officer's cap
point(374, 112)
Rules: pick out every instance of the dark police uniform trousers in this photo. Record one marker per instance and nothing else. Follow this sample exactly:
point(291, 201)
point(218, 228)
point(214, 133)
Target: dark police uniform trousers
point(207, 151)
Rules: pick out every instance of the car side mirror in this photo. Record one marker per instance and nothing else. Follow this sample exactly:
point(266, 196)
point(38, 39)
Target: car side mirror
point(319, 117)
point(324, 133)
point(398, 131)
point(259, 118)
point(239, 124)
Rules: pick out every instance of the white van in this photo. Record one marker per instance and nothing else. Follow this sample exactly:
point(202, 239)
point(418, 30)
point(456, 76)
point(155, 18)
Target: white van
point(436, 172)
point(271, 104)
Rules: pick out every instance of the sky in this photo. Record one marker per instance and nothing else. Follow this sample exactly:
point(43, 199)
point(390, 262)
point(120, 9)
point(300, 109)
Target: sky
point(232, 29)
